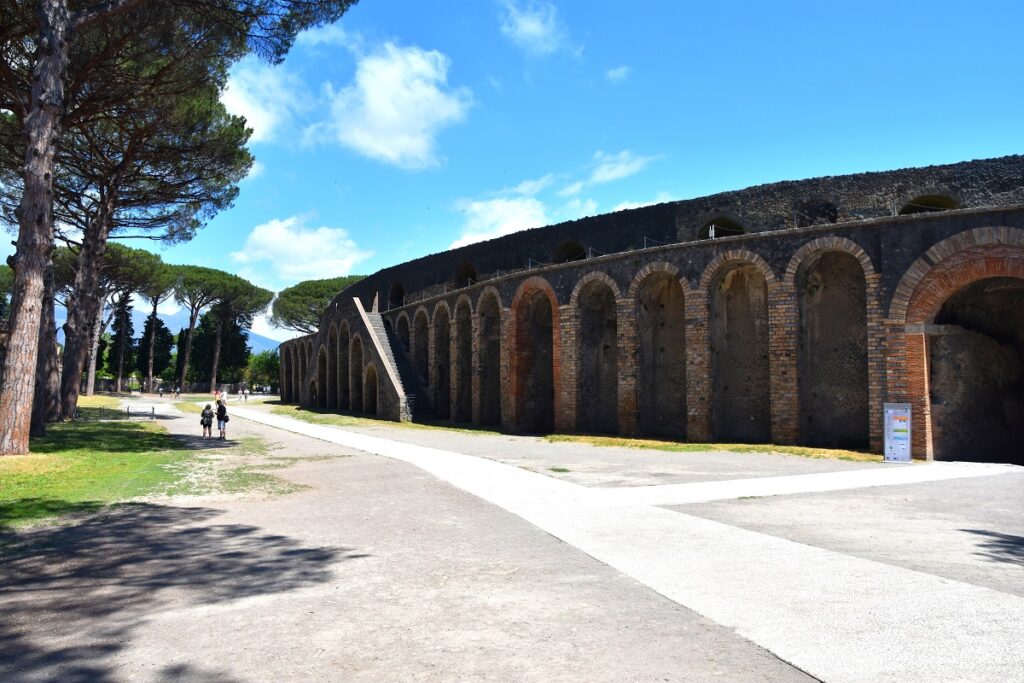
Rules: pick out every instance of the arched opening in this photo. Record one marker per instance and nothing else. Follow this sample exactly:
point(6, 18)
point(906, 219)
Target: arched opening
point(489, 312)
point(296, 379)
point(741, 399)
point(723, 227)
point(313, 394)
point(598, 387)
point(356, 375)
point(816, 212)
point(321, 378)
point(286, 375)
point(397, 295)
point(928, 203)
point(976, 373)
point(421, 346)
point(535, 392)
point(370, 391)
point(343, 373)
point(303, 371)
point(332, 369)
point(661, 357)
point(832, 361)
point(463, 363)
point(465, 275)
point(442, 364)
point(567, 251)
point(403, 334)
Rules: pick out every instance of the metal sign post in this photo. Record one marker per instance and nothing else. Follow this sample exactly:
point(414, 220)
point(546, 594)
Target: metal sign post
point(897, 432)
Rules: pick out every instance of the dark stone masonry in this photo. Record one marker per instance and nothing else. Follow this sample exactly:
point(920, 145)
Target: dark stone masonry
point(785, 313)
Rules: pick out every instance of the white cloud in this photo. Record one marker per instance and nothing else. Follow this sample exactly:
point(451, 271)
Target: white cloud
point(571, 189)
point(490, 218)
point(256, 171)
point(328, 34)
point(279, 253)
point(267, 96)
point(532, 187)
point(618, 74)
point(611, 167)
point(261, 326)
point(533, 26)
point(661, 198)
point(399, 103)
point(577, 208)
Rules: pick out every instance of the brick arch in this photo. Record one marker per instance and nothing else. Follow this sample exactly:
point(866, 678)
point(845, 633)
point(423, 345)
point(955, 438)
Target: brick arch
point(489, 290)
point(437, 307)
point(737, 256)
point(825, 244)
point(408, 320)
point(464, 299)
point(520, 351)
point(594, 276)
point(952, 264)
point(651, 269)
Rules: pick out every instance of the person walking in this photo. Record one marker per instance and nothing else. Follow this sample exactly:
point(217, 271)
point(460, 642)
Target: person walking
point(206, 419)
point(222, 418)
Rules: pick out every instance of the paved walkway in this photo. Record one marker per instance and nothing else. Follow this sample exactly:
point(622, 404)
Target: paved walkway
point(838, 617)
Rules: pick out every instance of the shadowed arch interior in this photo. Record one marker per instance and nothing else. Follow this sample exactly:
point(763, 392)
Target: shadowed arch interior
point(724, 227)
point(303, 374)
point(463, 363)
point(535, 396)
point(321, 378)
point(832, 361)
point(741, 400)
point(489, 312)
point(396, 297)
point(342, 377)
point(928, 203)
point(332, 369)
point(356, 375)
point(567, 251)
point(442, 364)
point(465, 274)
point(403, 334)
point(421, 346)
point(598, 382)
point(286, 375)
point(370, 387)
point(661, 357)
point(976, 373)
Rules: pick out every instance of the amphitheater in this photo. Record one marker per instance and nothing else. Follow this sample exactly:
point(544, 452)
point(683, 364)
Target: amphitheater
point(786, 313)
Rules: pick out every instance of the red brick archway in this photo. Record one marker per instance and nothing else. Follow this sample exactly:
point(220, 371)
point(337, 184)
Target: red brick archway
point(521, 347)
point(944, 270)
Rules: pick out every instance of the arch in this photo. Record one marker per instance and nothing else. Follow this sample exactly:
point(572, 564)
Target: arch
point(313, 397)
point(356, 374)
point(713, 271)
point(286, 369)
point(441, 370)
point(396, 296)
point(567, 251)
point(594, 276)
point(598, 378)
point(421, 344)
point(816, 247)
point(342, 378)
point(815, 212)
point(303, 365)
point(832, 350)
point(465, 274)
point(724, 227)
point(296, 387)
point(738, 321)
point(488, 311)
point(321, 378)
point(403, 331)
point(929, 203)
point(659, 298)
point(463, 361)
point(331, 394)
point(370, 390)
point(535, 374)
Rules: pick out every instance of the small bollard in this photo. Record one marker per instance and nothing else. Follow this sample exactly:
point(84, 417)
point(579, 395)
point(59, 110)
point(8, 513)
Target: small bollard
point(152, 415)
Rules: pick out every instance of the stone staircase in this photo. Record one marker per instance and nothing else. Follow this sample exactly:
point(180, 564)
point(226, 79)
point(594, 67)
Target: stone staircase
point(417, 396)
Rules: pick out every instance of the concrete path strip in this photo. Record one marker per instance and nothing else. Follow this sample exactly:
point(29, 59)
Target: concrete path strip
point(837, 617)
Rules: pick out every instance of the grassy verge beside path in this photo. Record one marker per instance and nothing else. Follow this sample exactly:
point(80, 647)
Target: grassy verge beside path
point(337, 420)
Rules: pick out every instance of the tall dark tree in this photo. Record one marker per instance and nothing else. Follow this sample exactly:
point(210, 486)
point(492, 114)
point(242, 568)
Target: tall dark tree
point(43, 34)
point(196, 288)
point(122, 342)
point(234, 349)
point(155, 346)
point(157, 288)
point(301, 306)
point(240, 301)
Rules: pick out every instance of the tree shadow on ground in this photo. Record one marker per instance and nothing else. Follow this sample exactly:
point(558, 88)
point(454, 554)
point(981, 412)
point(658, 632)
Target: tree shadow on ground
point(72, 595)
point(999, 547)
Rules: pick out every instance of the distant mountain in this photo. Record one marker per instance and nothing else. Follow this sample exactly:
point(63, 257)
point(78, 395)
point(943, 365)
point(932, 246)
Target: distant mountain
point(175, 322)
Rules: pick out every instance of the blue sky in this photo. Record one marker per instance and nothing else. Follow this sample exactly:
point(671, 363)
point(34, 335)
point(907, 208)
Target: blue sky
point(412, 126)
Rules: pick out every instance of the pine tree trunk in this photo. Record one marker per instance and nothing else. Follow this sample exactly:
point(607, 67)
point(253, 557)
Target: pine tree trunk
point(152, 344)
point(46, 402)
point(35, 225)
point(188, 348)
point(122, 343)
point(97, 331)
point(84, 308)
point(216, 357)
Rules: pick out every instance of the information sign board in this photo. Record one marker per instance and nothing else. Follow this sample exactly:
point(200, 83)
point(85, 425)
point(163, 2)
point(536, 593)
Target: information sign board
point(897, 432)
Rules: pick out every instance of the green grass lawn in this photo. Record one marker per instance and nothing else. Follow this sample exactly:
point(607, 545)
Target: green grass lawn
point(82, 466)
point(338, 420)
